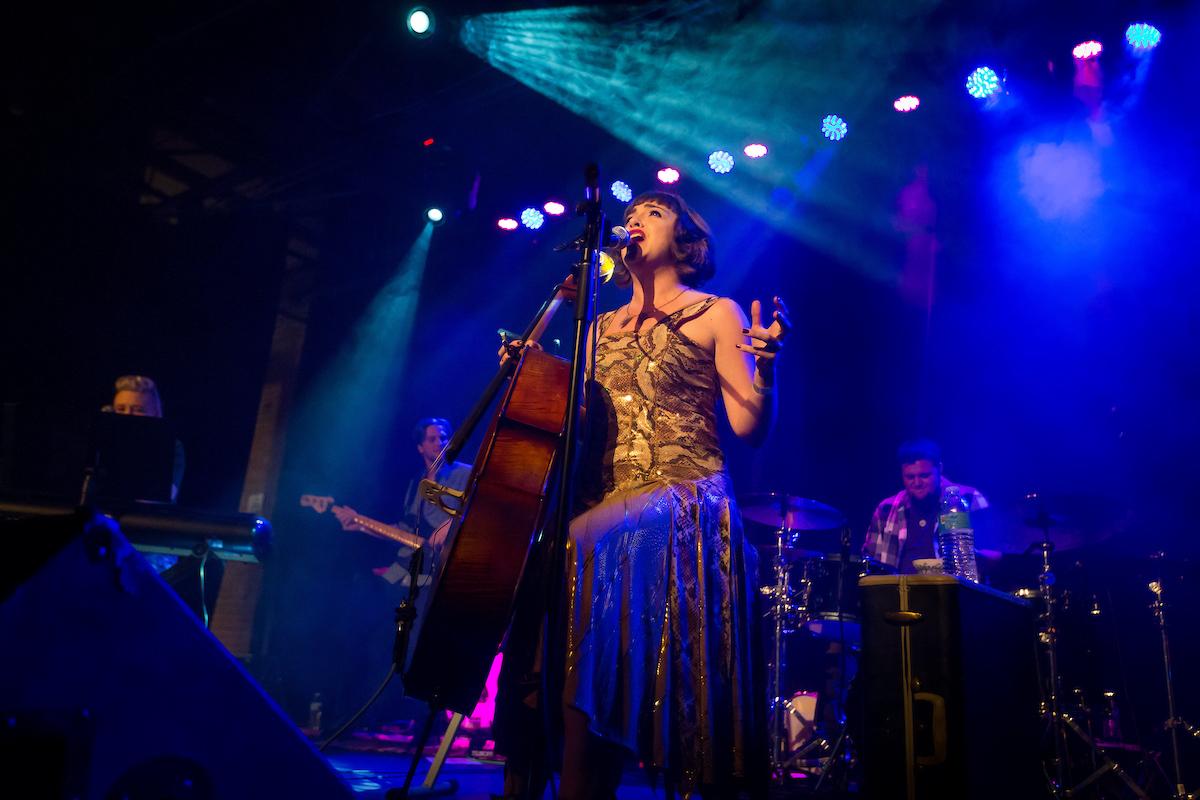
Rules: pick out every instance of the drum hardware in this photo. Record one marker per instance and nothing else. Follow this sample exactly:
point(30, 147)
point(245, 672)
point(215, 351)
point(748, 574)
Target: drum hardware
point(788, 615)
point(1174, 722)
point(810, 536)
point(1060, 723)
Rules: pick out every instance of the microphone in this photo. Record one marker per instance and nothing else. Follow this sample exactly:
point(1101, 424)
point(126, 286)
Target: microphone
point(618, 237)
point(622, 238)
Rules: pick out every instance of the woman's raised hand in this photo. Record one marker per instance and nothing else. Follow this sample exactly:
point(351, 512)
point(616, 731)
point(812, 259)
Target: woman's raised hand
point(765, 343)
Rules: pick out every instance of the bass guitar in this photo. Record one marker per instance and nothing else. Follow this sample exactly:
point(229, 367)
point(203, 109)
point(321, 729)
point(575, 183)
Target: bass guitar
point(323, 503)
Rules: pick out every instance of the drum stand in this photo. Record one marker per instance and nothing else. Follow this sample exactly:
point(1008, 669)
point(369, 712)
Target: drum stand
point(1174, 723)
point(1061, 723)
point(789, 608)
point(782, 610)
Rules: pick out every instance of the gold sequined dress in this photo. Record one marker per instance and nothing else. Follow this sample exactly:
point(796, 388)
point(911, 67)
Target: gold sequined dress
point(662, 639)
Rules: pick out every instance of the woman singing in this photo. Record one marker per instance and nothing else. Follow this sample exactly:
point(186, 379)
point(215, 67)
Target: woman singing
point(660, 583)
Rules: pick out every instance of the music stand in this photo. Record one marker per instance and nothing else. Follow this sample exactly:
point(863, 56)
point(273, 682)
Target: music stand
point(132, 459)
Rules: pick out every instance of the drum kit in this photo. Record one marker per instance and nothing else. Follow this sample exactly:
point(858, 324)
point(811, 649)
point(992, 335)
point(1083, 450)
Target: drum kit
point(810, 574)
point(812, 595)
point(1088, 754)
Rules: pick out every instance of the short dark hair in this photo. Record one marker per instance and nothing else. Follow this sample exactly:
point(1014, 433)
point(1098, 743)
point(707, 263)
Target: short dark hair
point(693, 247)
point(418, 432)
point(916, 450)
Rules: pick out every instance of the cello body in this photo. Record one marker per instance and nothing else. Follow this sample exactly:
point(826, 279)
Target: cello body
point(504, 507)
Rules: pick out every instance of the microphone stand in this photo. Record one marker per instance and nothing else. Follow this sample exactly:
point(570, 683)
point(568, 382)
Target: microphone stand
point(835, 754)
point(1174, 722)
point(585, 281)
point(1060, 722)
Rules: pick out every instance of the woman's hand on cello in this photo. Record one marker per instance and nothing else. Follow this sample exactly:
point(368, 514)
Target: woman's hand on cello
point(514, 348)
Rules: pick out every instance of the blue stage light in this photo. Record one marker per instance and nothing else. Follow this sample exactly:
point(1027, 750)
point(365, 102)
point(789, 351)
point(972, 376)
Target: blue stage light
point(720, 162)
point(435, 215)
point(621, 191)
point(1142, 36)
point(532, 218)
point(755, 150)
point(982, 83)
point(834, 128)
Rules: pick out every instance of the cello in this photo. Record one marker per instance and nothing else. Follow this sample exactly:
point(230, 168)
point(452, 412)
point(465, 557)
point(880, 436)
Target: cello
point(494, 523)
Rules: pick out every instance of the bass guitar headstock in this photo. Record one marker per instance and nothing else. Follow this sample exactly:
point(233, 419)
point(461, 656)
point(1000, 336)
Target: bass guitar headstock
point(317, 502)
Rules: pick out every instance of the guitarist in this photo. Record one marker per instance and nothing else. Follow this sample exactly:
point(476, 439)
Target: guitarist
point(421, 517)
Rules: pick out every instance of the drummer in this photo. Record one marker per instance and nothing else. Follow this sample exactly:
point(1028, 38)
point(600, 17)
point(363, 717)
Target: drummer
point(903, 525)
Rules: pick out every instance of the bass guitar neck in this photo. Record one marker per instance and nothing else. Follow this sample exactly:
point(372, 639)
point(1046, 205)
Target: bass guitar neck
point(388, 531)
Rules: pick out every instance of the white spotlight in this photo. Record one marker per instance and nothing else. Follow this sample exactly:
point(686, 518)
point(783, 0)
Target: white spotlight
point(420, 22)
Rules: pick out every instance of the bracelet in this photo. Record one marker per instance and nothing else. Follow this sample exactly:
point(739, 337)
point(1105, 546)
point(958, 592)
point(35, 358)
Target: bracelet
point(762, 389)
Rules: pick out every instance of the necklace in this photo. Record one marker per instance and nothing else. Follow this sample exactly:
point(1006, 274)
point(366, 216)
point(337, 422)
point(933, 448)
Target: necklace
point(629, 313)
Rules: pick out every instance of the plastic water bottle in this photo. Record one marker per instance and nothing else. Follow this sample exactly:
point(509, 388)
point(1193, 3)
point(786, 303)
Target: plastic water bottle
point(314, 714)
point(955, 537)
point(1110, 728)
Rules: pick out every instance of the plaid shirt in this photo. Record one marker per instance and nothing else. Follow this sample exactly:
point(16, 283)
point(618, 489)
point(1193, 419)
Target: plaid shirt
point(888, 530)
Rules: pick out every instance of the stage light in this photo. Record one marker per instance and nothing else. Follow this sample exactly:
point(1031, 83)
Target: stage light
point(1142, 36)
point(907, 103)
point(434, 215)
point(607, 267)
point(983, 83)
point(538, 47)
point(554, 208)
point(755, 150)
point(507, 224)
point(1087, 50)
point(428, 142)
point(420, 22)
point(621, 191)
point(834, 128)
point(668, 175)
point(720, 162)
point(532, 218)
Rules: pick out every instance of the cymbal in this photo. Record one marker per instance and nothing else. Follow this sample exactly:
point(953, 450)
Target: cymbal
point(777, 510)
point(797, 545)
point(1069, 521)
point(1019, 539)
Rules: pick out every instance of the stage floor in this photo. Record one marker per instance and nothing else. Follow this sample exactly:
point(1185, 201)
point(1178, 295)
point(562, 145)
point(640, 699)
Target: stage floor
point(376, 761)
point(372, 774)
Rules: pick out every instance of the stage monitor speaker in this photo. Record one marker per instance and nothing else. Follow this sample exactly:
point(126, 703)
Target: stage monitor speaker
point(949, 688)
point(113, 689)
